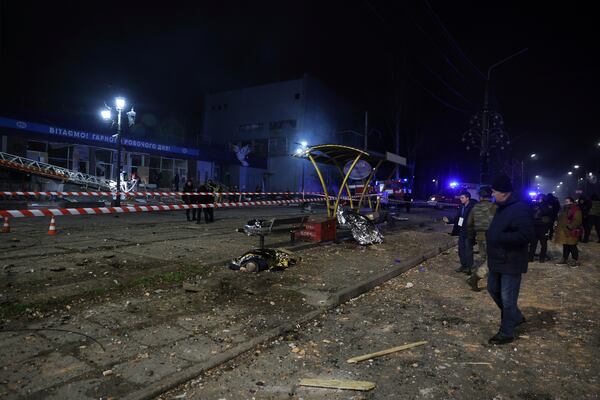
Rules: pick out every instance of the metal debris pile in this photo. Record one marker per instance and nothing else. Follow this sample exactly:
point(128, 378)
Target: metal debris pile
point(363, 230)
point(255, 227)
point(258, 260)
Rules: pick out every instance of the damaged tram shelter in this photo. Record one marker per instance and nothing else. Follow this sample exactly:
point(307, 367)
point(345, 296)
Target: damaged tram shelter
point(354, 166)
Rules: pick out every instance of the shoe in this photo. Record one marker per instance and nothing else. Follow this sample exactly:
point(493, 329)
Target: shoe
point(542, 261)
point(498, 339)
point(574, 264)
point(562, 262)
point(462, 269)
point(521, 322)
point(473, 281)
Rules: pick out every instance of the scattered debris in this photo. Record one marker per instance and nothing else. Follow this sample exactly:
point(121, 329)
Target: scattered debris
point(338, 384)
point(385, 352)
point(107, 372)
point(57, 268)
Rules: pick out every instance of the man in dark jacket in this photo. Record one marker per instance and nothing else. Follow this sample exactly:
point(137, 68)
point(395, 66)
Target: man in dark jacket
point(555, 204)
point(508, 238)
point(594, 216)
point(460, 229)
point(205, 200)
point(542, 218)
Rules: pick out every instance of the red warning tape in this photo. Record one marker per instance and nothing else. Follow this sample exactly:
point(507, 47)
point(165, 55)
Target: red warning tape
point(136, 209)
point(132, 194)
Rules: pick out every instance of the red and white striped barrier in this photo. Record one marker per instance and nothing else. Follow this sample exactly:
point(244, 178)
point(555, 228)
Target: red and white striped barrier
point(49, 212)
point(96, 194)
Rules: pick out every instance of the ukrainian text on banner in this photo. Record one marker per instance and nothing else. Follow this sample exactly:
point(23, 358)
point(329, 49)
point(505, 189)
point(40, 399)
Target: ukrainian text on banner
point(93, 137)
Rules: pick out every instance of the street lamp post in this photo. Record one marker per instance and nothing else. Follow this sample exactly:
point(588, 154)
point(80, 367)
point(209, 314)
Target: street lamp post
point(303, 146)
point(488, 126)
point(107, 115)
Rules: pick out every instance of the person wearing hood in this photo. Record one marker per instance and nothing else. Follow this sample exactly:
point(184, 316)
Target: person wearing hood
point(508, 238)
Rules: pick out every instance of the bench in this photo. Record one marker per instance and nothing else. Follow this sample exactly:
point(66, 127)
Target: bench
point(266, 227)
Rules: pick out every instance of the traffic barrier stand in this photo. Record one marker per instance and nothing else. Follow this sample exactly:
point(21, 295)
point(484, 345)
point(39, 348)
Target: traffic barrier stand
point(5, 226)
point(52, 228)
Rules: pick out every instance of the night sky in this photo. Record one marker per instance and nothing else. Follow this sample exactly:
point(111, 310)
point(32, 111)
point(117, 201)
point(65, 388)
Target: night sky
point(61, 60)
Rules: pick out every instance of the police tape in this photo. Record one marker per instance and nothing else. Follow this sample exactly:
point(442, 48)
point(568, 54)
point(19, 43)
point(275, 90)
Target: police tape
point(166, 194)
point(421, 203)
point(53, 212)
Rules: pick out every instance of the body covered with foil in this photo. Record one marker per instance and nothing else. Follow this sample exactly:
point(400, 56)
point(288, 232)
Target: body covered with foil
point(363, 230)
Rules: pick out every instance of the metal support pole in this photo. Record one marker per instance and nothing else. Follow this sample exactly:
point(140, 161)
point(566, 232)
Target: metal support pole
point(366, 128)
point(485, 132)
point(118, 200)
point(302, 161)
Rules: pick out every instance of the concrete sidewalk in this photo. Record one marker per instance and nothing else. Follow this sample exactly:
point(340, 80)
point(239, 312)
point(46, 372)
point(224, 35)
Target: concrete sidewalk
point(149, 337)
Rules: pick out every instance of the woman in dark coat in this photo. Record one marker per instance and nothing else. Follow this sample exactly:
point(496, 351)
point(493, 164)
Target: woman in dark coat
point(568, 231)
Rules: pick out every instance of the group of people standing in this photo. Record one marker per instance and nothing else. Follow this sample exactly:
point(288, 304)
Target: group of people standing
point(196, 213)
point(507, 232)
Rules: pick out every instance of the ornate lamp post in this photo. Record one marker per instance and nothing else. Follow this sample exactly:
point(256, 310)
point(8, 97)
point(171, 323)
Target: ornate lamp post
point(107, 115)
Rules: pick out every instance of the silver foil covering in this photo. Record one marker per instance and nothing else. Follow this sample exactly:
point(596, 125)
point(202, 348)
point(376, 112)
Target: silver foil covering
point(363, 230)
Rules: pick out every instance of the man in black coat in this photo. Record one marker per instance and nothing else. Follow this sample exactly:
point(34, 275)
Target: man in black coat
point(508, 238)
point(460, 229)
point(542, 218)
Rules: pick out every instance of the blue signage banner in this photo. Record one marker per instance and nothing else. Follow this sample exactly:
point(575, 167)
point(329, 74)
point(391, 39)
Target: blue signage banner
point(94, 137)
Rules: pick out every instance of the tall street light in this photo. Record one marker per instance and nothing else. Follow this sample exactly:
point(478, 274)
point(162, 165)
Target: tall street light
point(107, 115)
point(486, 130)
point(303, 146)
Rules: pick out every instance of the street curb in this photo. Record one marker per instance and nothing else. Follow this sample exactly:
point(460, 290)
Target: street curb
point(349, 293)
point(171, 382)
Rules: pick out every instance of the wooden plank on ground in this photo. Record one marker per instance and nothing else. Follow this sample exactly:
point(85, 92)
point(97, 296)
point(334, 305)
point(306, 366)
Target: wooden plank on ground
point(384, 352)
point(338, 384)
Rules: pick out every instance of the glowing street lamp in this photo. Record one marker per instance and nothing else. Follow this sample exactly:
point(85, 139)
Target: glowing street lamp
point(303, 146)
point(107, 115)
point(537, 177)
point(570, 173)
point(576, 166)
point(533, 155)
point(120, 103)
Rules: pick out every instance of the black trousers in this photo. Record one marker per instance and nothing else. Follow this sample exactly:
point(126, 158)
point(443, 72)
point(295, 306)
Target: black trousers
point(570, 248)
point(592, 221)
point(540, 235)
point(465, 251)
point(187, 214)
point(209, 215)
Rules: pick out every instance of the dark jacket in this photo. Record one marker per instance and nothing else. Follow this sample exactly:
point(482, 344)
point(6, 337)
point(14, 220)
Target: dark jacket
point(463, 211)
point(508, 237)
point(543, 214)
point(553, 201)
point(205, 198)
point(187, 188)
point(595, 208)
